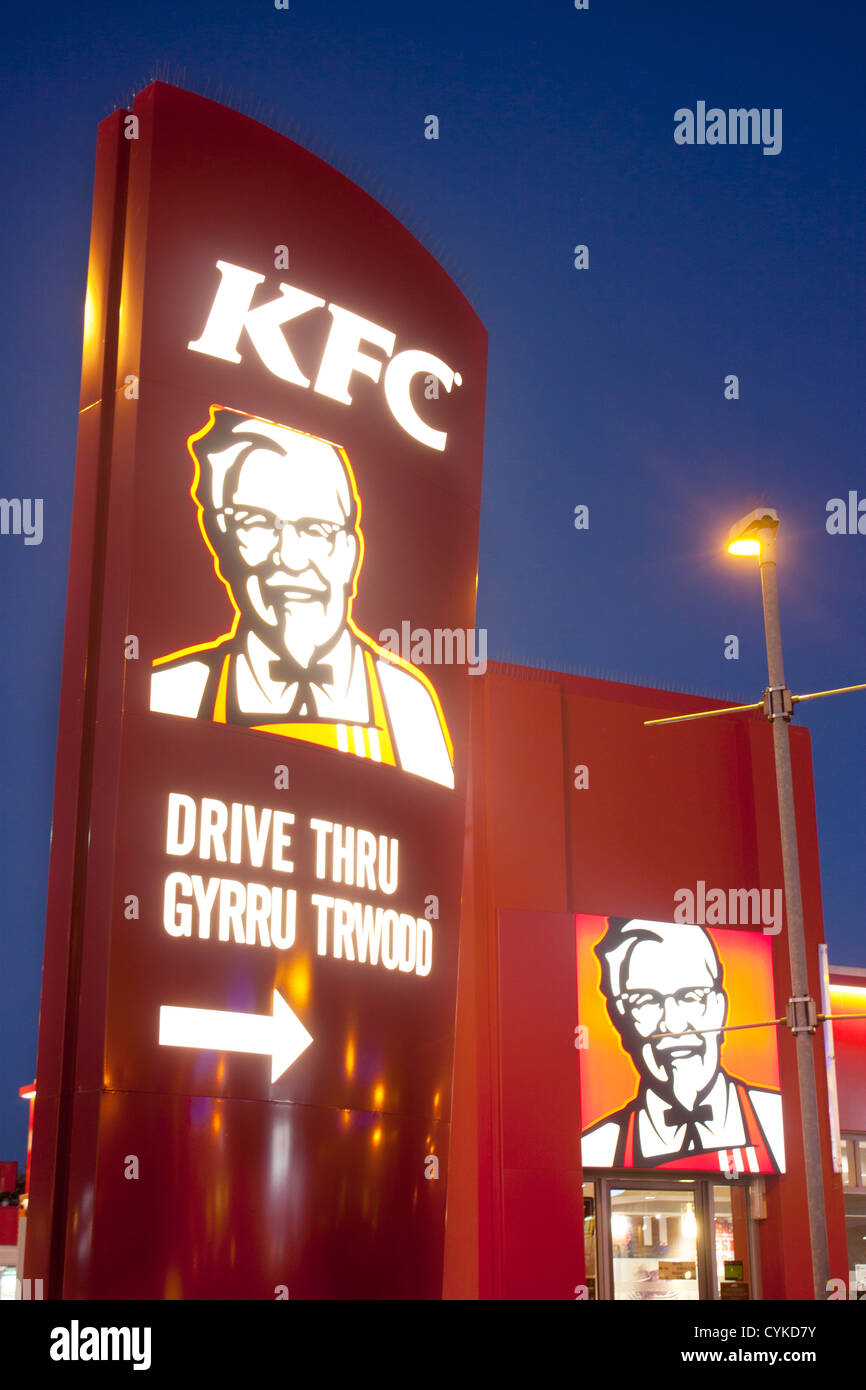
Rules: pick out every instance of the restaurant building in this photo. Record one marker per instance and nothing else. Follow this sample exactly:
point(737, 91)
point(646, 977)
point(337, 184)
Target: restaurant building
point(622, 888)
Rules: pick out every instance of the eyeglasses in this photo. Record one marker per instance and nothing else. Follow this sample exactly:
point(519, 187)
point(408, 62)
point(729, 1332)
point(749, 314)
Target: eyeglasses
point(647, 1007)
point(261, 528)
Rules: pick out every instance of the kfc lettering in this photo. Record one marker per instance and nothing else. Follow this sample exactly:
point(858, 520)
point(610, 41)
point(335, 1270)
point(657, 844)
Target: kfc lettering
point(232, 312)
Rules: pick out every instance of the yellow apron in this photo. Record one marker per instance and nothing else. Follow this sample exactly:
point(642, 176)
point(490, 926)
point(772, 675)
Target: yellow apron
point(364, 740)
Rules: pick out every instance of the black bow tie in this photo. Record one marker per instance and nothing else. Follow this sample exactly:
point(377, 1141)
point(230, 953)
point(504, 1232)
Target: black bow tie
point(290, 672)
point(677, 1114)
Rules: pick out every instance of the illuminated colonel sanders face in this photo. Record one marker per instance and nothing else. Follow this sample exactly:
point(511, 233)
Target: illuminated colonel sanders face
point(664, 991)
point(284, 527)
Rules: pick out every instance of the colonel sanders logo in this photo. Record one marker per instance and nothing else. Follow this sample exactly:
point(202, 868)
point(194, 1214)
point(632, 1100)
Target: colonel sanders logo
point(664, 987)
point(280, 512)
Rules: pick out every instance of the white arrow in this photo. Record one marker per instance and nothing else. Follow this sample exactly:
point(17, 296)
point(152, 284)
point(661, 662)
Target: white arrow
point(280, 1036)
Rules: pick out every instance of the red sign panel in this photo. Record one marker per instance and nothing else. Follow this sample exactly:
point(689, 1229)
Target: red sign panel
point(672, 1074)
point(272, 730)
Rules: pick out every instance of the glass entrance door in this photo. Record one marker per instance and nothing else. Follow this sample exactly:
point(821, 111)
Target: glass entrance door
point(654, 1242)
point(731, 1253)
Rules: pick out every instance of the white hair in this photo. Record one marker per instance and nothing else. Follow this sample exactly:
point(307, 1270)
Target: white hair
point(623, 937)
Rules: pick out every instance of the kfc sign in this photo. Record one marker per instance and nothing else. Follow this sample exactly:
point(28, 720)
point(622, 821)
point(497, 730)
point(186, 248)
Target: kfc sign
point(663, 1084)
point(231, 313)
point(259, 824)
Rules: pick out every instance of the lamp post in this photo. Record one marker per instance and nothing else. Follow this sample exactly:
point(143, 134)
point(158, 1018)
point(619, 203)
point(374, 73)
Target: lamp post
point(755, 534)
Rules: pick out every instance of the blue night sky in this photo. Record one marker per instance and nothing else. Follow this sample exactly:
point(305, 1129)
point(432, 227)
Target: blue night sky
point(605, 385)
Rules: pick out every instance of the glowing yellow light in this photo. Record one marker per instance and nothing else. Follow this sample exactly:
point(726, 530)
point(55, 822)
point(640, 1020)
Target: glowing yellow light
point(688, 1225)
point(377, 1136)
point(379, 1096)
point(300, 982)
point(216, 1123)
point(346, 1117)
point(350, 1057)
point(744, 547)
point(92, 303)
point(620, 1226)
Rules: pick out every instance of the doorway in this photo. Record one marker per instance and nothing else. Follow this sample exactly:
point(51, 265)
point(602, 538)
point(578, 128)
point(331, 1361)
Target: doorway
point(683, 1239)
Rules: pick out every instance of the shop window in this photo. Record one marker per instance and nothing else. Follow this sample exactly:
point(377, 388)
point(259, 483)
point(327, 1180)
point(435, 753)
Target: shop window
point(654, 1239)
point(855, 1229)
point(853, 1154)
point(657, 1241)
point(590, 1239)
point(731, 1242)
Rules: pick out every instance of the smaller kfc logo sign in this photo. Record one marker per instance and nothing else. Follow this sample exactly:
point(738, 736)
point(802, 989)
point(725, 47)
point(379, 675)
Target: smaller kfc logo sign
point(668, 989)
point(232, 312)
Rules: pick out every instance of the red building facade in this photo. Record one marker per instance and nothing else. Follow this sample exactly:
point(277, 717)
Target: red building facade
point(578, 808)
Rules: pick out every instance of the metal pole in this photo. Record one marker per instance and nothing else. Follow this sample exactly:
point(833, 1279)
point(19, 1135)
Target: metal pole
point(796, 932)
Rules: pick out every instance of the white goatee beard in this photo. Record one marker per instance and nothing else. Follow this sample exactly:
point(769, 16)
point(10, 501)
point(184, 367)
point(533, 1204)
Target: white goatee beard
point(689, 1080)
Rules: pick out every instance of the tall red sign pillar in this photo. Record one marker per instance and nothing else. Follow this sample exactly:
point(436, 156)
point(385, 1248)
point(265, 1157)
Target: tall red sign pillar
point(245, 1053)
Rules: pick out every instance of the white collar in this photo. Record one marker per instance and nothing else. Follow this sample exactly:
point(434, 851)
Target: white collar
point(725, 1128)
point(344, 696)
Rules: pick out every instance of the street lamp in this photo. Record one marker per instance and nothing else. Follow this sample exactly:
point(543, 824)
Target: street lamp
point(755, 534)
point(750, 533)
